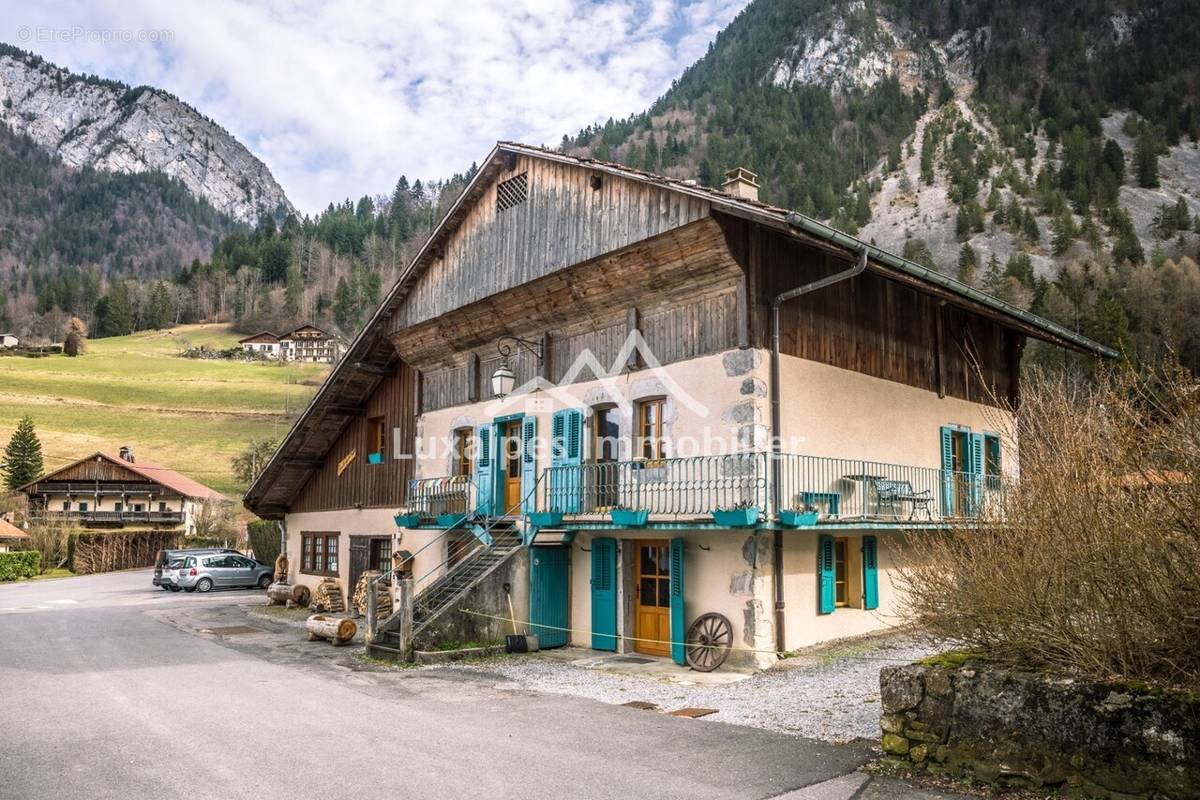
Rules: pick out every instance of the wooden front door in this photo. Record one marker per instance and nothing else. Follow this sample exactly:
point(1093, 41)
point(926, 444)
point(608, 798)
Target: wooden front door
point(510, 467)
point(652, 604)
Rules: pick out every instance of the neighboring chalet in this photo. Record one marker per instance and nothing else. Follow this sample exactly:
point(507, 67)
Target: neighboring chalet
point(8, 341)
point(106, 490)
point(584, 362)
point(305, 343)
point(11, 537)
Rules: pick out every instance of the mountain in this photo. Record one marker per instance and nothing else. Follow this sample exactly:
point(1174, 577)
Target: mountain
point(111, 127)
point(1047, 153)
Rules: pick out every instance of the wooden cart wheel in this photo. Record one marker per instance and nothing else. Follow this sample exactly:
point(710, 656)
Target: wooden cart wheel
point(708, 642)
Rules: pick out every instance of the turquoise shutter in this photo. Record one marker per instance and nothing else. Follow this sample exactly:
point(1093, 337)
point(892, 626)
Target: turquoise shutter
point(604, 594)
point(566, 458)
point(976, 469)
point(947, 471)
point(678, 621)
point(870, 559)
point(825, 569)
point(528, 464)
point(483, 470)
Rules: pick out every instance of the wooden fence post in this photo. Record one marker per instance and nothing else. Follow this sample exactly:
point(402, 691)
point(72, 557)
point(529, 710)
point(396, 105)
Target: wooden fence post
point(406, 618)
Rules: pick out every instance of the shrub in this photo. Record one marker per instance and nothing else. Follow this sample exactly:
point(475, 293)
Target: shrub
point(264, 540)
point(1091, 564)
point(19, 564)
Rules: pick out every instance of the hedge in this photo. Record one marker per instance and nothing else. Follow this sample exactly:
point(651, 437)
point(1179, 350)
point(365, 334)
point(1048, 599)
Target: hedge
point(264, 540)
point(19, 564)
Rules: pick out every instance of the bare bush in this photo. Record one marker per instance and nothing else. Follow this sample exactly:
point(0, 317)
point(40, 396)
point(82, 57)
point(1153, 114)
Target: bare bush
point(49, 537)
point(1090, 562)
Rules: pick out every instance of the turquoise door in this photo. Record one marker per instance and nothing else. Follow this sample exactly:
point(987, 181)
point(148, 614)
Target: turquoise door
point(604, 594)
point(549, 596)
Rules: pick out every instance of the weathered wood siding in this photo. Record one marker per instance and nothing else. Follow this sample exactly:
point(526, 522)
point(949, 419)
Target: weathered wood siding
point(871, 324)
point(562, 222)
point(371, 485)
point(102, 470)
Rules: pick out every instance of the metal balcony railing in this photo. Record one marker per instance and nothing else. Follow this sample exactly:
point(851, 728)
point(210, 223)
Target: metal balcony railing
point(836, 489)
point(677, 487)
point(114, 517)
point(430, 498)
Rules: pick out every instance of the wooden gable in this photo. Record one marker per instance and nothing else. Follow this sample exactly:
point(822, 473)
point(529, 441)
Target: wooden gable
point(569, 214)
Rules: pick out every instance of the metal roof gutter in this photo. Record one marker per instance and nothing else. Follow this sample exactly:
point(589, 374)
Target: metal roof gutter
point(811, 226)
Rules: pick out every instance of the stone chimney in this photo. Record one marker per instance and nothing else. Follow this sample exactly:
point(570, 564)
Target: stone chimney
point(741, 182)
point(127, 453)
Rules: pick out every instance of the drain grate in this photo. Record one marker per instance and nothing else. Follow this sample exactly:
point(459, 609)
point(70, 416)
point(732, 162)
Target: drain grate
point(693, 713)
point(233, 630)
point(641, 705)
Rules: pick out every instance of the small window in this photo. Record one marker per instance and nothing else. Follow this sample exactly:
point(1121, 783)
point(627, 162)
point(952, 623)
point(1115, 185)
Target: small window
point(461, 455)
point(319, 554)
point(841, 587)
point(118, 507)
point(162, 508)
point(512, 192)
point(650, 429)
point(376, 435)
point(606, 435)
point(66, 505)
point(83, 506)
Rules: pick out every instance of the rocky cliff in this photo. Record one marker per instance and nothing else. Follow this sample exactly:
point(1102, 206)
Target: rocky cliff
point(106, 125)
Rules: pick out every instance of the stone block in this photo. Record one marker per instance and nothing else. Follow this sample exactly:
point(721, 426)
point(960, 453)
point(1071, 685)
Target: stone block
point(901, 688)
point(918, 753)
point(894, 743)
point(891, 723)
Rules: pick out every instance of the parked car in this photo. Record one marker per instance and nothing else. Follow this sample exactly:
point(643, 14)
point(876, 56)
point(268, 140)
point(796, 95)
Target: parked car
point(166, 557)
point(203, 573)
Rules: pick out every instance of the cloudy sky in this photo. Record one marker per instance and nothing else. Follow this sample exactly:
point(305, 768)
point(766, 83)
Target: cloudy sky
point(340, 99)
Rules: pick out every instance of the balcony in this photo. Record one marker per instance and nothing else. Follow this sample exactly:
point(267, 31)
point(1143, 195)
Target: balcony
point(814, 490)
point(112, 518)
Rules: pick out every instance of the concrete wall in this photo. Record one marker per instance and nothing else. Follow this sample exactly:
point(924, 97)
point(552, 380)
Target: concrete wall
point(487, 598)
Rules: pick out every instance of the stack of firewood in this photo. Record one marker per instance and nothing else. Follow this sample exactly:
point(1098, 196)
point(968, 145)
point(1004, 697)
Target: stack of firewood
point(328, 597)
point(383, 596)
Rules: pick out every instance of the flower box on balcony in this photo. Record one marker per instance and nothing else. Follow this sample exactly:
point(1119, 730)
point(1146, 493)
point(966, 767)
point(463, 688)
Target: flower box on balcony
point(545, 519)
point(791, 518)
point(407, 520)
point(450, 520)
point(629, 517)
point(736, 517)
point(374, 458)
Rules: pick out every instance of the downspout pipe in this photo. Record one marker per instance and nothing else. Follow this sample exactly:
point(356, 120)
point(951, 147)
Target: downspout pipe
point(777, 427)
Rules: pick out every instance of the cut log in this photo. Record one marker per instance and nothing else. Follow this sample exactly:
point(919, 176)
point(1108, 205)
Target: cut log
point(279, 594)
point(328, 597)
point(301, 594)
point(322, 627)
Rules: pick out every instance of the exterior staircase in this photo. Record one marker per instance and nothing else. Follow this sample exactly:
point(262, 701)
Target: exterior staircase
point(496, 542)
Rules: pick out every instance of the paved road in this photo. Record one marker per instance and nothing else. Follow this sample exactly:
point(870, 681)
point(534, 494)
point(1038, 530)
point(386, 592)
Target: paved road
point(109, 692)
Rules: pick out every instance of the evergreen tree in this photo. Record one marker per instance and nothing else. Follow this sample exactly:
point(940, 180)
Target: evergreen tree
point(968, 264)
point(993, 277)
point(343, 305)
point(23, 455)
point(160, 311)
point(1146, 157)
point(1114, 159)
point(1063, 232)
point(293, 295)
point(119, 317)
point(917, 250)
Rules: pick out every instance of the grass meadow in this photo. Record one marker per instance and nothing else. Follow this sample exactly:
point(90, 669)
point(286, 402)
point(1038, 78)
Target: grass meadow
point(188, 414)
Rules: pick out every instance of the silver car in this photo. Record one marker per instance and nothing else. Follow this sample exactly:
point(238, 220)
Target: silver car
point(203, 573)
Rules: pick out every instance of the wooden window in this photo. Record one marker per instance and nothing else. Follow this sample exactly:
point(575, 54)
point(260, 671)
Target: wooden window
point(66, 505)
point(376, 435)
point(991, 460)
point(83, 506)
point(319, 553)
point(461, 455)
point(606, 435)
point(650, 429)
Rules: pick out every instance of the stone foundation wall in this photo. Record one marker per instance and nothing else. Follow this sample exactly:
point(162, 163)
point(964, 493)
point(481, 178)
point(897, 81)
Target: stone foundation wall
point(1028, 729)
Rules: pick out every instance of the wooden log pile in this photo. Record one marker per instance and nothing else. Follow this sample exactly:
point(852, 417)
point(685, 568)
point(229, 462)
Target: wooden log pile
point(383, 596)
point(286, 594)
point(325, 628)
point(328, 597)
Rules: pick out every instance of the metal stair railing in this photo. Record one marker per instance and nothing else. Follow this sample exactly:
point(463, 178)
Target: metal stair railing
point(484, 542)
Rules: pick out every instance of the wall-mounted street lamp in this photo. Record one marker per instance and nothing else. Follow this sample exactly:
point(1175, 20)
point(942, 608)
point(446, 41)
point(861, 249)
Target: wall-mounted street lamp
point(504, 379)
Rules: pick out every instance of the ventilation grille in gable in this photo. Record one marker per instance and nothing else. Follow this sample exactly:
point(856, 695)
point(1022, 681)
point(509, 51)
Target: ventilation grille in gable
point(512, 192)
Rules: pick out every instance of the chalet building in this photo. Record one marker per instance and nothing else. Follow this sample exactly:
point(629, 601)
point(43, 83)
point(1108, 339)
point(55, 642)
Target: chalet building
point(114, 491)
point(639, 402)
point(12, 537)
point(264, 343)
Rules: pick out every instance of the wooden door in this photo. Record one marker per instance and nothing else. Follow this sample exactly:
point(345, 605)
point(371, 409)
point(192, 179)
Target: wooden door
point(359, 555)
point(510, 467)
point(652, 602)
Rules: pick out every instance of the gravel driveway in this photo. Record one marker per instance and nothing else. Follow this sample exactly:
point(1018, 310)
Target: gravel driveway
point(832, 694)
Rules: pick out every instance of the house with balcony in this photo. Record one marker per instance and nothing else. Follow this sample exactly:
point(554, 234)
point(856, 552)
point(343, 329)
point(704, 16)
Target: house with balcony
point(263, 343)
point(306, 343)
point(107, 490)
point(659, 414)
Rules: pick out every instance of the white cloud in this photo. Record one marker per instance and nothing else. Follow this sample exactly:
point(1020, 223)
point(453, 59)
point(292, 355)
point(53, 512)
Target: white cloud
point(339, 101)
